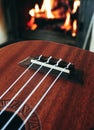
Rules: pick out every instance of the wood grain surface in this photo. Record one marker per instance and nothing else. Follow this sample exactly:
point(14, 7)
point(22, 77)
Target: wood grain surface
point(68, 106)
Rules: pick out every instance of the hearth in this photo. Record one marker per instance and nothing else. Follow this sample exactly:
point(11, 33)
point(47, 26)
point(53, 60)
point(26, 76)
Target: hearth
point(64, 21)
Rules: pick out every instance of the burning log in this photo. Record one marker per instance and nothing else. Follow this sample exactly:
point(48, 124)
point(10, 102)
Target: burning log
point(46, 22)
point(59, 6)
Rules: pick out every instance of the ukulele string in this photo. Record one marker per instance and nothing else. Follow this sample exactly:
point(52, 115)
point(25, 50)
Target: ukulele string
point(20, 90)
point(41, 99)
point(37, 86)
point(11, 86)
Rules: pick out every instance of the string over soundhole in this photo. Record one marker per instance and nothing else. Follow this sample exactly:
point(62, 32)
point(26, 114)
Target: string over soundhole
point(32, 124)
point(69, 71)
point(15, 123)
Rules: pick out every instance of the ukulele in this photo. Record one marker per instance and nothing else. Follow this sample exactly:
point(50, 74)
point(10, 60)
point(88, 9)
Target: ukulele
point(46, 86)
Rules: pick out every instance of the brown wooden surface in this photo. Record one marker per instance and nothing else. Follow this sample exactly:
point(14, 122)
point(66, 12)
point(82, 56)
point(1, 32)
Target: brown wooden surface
point(68, 106)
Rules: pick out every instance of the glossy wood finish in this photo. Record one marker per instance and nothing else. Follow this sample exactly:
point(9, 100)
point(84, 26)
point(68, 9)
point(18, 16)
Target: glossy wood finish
point(68, 106)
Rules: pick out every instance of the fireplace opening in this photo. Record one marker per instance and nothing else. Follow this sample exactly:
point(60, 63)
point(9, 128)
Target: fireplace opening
point(62, 21)
point(60, 16)
point(54, 20)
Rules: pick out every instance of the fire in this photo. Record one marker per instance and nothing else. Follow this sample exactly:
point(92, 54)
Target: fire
point(50, 10)
point(74, 31)
point(67, 24)
point(31, 24)
point(46, 7)
point(32, 12)
point(45, 10)
point(75, 6)
point(36, 8)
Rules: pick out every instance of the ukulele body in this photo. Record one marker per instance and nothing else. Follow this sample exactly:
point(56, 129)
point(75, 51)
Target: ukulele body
point(67, 106)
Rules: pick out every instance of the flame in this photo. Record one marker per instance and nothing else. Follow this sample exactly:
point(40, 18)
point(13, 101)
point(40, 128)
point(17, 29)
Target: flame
point(36, 8)
point(74, 31)
point(67, 24)
point(31, 24)
point(32, 12)
point(46, 7)
point(75, 6)
point(44, 12)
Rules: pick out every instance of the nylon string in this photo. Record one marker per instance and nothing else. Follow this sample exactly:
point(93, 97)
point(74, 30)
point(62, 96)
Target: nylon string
point(31, 95)
point(37, 86)
point(7, 105)
point(41, 99)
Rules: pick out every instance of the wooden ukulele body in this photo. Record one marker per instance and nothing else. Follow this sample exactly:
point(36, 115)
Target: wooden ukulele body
point(68, 106)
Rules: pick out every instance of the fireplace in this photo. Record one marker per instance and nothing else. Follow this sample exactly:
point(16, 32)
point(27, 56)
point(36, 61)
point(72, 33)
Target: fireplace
point(63, 21)
point(60, 16)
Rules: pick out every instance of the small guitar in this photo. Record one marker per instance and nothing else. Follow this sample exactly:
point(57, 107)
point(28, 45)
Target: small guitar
point(46, 86)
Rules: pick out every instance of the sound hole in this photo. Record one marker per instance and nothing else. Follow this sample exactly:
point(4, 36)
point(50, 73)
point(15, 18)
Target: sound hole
point(92, 128)
point(15, 123)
